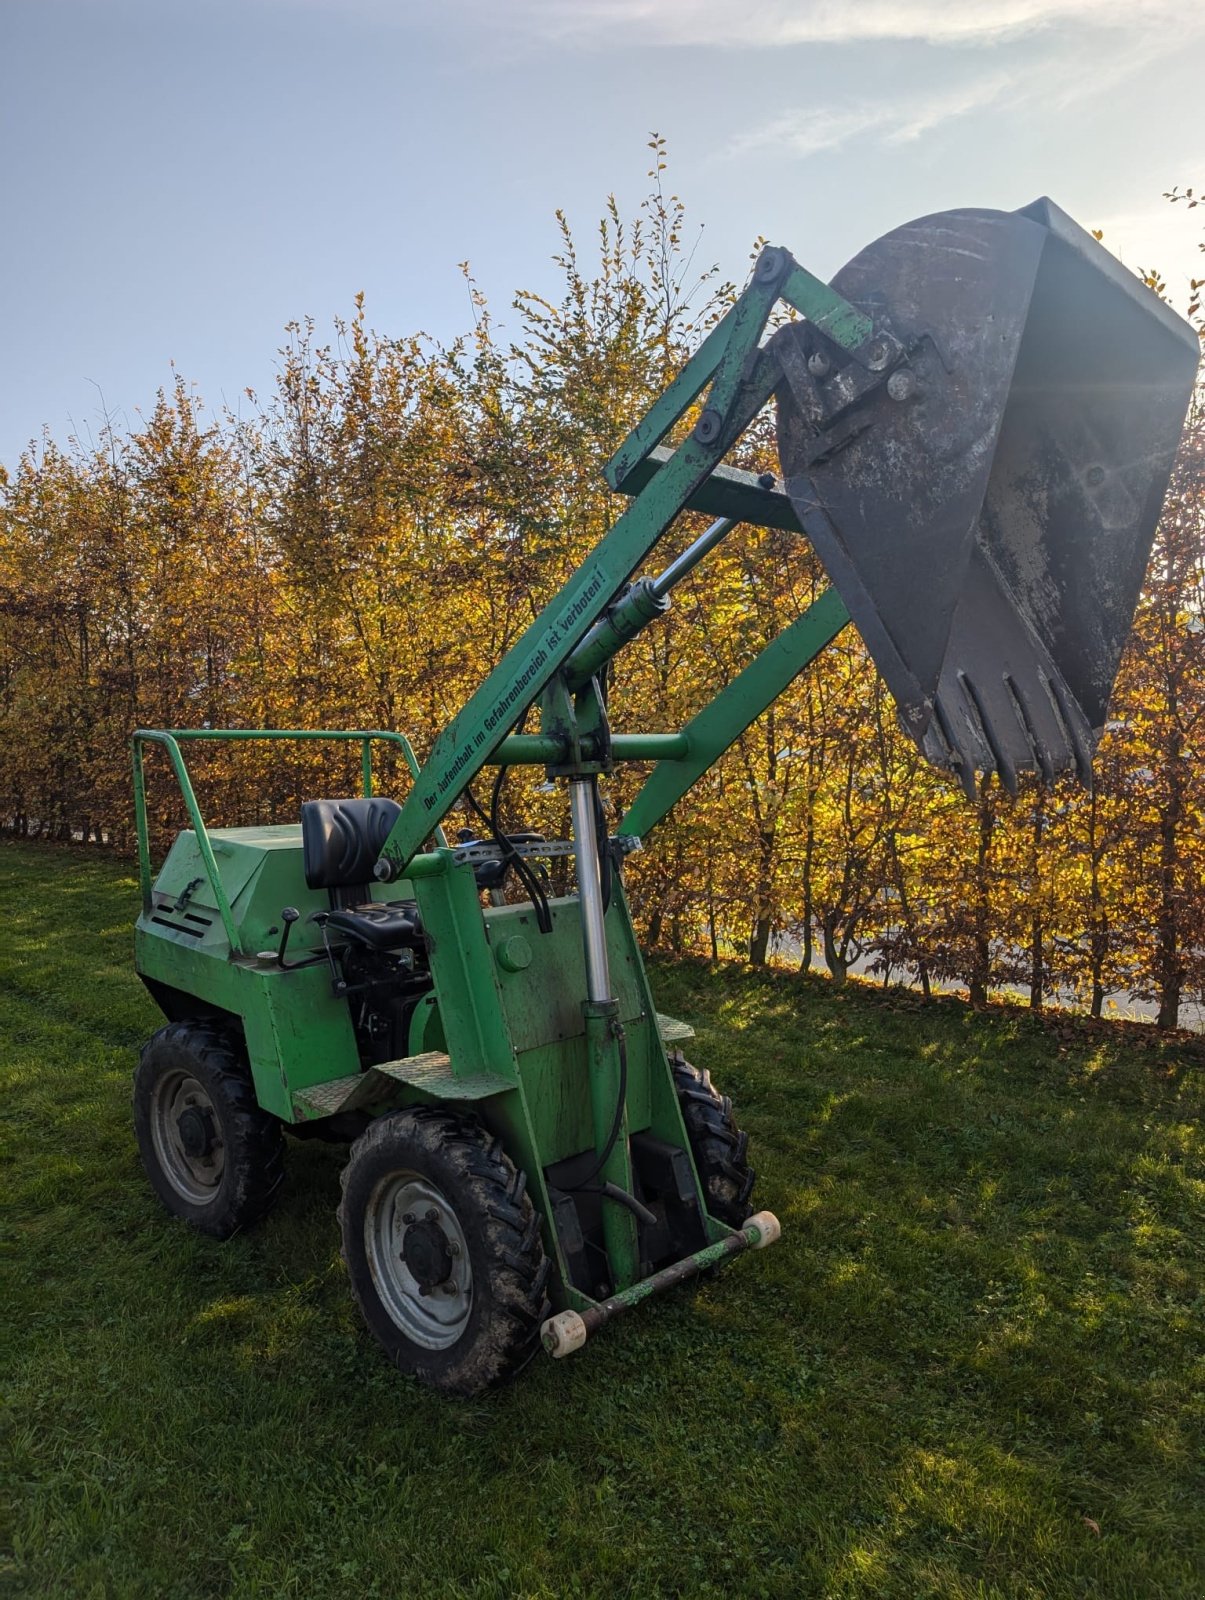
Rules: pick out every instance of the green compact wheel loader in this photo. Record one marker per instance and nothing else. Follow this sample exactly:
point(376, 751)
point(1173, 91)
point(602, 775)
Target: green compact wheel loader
point(976, 421)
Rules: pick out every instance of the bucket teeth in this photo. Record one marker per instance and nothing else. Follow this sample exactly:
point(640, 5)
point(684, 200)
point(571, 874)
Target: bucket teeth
point(1001, 749)
point(1042, 757)
point(1007, 726)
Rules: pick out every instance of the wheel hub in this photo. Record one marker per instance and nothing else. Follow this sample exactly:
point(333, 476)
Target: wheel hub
point(419, 1259)
point(425, 1252)
point(196, 1130)
point(187, 1135)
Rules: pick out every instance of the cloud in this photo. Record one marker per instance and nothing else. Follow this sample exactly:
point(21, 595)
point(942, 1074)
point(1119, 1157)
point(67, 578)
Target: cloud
point(759, 25)
point(772, 24)
point(1042, 81)
point(814, 129)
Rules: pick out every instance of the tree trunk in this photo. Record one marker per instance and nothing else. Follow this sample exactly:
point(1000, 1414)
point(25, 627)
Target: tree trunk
point(1098, 948)
point(837, 964)
point(1098, 917)
point(759, 943)
point(1037, 954)
point(805, 962)
point(981, 956)
point(901, 888)
point(1036, 965)
point(1169, 1005)
point(1169, 965)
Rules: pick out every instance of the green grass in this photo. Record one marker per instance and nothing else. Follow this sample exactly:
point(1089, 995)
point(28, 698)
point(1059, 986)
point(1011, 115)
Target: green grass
point(974, 1366)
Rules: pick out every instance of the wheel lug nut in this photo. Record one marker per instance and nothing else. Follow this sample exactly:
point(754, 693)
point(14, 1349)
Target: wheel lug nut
point(408, 1219)
point(453, 1248)
point(432, 1215)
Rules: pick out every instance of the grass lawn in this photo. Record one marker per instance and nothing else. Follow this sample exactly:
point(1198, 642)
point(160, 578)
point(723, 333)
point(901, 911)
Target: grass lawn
point(974, 1366)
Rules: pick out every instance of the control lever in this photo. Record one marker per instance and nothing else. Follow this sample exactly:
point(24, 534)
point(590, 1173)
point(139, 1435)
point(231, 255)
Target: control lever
point(288, 916)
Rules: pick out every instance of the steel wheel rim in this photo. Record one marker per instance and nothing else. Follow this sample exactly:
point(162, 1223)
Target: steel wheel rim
point(196, 1176)
point(437, 1318)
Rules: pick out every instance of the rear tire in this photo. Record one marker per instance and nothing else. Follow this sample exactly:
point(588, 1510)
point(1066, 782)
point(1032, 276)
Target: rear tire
point(212, 1154)
point(716, 1143)
point(443, 1249)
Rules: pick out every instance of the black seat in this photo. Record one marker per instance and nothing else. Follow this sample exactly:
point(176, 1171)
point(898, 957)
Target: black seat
point(383, 927)
point(340, 845)
point(341, 840)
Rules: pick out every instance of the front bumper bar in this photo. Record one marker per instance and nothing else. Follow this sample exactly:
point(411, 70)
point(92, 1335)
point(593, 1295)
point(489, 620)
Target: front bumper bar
point(568, 1330)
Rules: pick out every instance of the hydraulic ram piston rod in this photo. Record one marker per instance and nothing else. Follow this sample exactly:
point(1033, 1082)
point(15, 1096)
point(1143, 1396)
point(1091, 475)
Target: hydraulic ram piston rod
point(692, 555)
point(639, 603)
point(589, 889)
point(606, 1048)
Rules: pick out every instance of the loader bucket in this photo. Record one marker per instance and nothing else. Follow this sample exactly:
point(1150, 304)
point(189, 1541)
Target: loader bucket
point(987, 514)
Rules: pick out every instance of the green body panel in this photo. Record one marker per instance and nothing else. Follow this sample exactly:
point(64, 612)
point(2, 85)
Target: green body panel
point(296, 1034)
point(542, 1015)
point(259, 869)
point(465, 973)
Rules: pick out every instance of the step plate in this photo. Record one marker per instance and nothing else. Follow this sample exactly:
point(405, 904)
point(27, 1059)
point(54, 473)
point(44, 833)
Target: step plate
point(672, 1031)
point(430, 1072)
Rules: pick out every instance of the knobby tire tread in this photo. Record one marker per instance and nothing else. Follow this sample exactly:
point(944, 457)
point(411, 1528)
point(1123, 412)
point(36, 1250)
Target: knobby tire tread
point(717, 1144)
point(253, 1137)
point(510, 1268)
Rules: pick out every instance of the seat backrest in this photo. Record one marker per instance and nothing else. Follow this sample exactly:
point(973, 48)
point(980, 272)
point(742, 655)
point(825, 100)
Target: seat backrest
point(341, 840)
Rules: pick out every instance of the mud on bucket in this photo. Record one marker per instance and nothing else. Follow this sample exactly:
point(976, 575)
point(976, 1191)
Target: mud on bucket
point(987, 513)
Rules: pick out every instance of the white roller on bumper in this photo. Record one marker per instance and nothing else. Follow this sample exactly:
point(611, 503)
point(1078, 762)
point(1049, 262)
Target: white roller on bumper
point(769, 1229)
point(563, 1334)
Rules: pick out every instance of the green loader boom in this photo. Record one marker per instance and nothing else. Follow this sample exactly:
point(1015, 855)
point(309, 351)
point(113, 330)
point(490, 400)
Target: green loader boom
point(976, 422)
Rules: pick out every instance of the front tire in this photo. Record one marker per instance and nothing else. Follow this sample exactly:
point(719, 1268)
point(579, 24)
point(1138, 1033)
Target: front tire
point(213, 1155)
point(443, 1249)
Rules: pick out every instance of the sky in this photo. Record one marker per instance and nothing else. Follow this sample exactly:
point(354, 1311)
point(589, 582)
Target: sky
point(184, 177)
